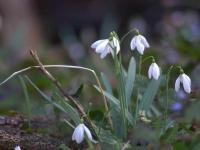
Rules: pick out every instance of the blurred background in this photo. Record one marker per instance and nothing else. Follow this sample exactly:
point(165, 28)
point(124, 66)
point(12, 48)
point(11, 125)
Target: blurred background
point(62, 32)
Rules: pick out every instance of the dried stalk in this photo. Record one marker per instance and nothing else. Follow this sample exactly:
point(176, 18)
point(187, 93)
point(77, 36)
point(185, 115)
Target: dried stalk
point(66, 96)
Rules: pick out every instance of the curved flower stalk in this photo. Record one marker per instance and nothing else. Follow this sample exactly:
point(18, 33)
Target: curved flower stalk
point(17, 148)
point(154, 71)
point(106, 46)
point(185, 80)
point(139, 42)
point(78, 134)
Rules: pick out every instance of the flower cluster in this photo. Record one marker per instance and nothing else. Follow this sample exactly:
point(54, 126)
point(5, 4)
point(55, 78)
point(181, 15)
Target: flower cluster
point(140, 43)
point(112, 45)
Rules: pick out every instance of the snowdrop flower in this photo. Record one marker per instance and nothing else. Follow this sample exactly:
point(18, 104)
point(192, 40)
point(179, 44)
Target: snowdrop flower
point(140, 43)
point(78, 134)
point(154, 71)
point(185, 80)
point(106, 46)
point(17, 148)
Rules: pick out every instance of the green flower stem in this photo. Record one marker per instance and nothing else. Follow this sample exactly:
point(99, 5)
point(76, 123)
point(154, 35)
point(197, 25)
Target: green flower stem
point(28, 103)
point(138, 90)
point(146, 58)
point(167, 88)
point(121, 90)
point(134, 30)
point(167, 95)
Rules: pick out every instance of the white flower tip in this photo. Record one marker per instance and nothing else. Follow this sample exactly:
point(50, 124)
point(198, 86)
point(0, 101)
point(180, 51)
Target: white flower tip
point(185, 80)
point(17, 148)
point(78, 134)
point(105, 46)
point(154, 71)
point(140, 43)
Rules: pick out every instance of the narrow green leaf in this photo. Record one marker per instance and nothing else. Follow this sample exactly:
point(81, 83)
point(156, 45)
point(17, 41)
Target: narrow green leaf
point(63, 106)
point(116, 104)
point(149, 95)
point(27, 98)
point(116, 116)
point(110, 97)
point(71, 112)
point(107, 137)
point(79, 91)
point(106, 83)
point(130, 79)
point(63, 147)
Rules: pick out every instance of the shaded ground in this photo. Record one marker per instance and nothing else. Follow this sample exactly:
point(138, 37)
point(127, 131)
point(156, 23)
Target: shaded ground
point(13, 133)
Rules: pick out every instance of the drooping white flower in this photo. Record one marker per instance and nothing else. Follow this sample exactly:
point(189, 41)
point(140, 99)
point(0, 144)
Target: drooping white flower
point(185, 80)
point(154, 71)
point(140, 43)
point(78, 134)
point(17, 148)
point(106, 46)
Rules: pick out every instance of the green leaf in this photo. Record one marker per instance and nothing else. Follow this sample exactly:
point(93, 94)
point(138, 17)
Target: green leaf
point(106, 83)
point(78, 92)
point(107, 137)
point(130, 79)
point(70, 111)
point(167, 125)
point(170, 134)
point(116, 116)
point(62, 105)
point(116, 104)
point(110, 97)
point(179, 145)
point(96, 115)
point(149, 95)
point(63, 147)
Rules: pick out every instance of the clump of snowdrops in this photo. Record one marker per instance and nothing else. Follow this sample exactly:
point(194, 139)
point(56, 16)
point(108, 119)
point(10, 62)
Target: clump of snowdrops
point(132, 104)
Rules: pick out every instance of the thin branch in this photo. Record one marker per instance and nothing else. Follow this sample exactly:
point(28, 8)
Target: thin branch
point(58, 85)
point(64, 66)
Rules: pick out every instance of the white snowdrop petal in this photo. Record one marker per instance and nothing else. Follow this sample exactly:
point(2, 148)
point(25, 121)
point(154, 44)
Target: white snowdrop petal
point(75, 133)
point(144, 41)
point(187, 78)
point(88, 133)
point(101, 47)
point(150, 72)
point(105, 52)
point(17, 148)
point(95, 44)
point(155, 71)
point(140, 48)
point(133, 43)
point(186, 84)
point(78, 134)
point(177, 84)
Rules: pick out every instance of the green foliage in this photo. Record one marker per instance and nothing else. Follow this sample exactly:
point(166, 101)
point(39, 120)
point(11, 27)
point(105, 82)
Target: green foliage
point(63, 147)
point(60, 104)
point(79, 91)
point(149, 95)
point(130, 79)
point(122, 126)
point(116, 104)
